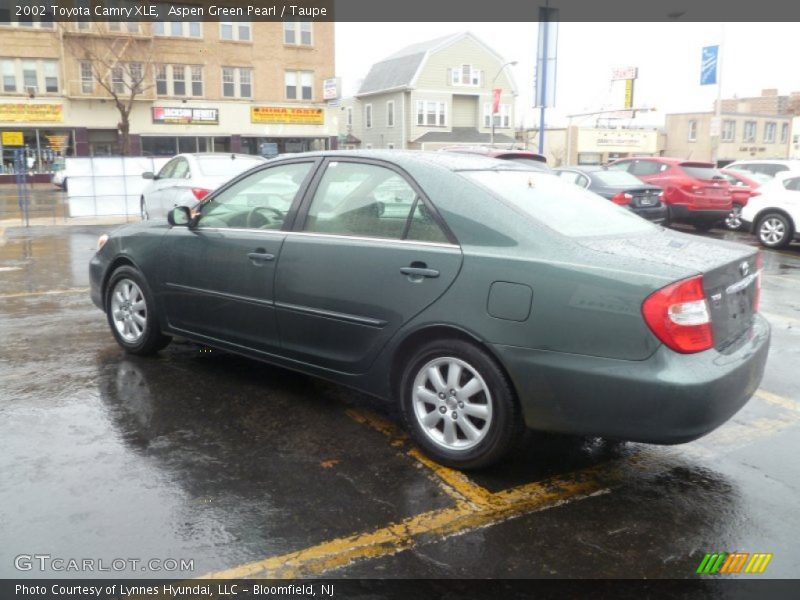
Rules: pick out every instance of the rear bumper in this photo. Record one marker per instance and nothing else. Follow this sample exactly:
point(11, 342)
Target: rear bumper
point(669, 398)
point(656, 214)
point(683, 212)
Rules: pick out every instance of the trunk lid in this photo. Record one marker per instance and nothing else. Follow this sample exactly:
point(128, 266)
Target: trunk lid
point(729, 272)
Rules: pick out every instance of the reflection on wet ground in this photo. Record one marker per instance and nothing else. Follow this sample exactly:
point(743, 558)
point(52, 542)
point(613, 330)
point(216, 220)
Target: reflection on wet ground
point(208, 456)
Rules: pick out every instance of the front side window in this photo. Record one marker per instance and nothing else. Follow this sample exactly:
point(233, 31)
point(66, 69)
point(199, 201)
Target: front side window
point(371, 201)
point(259, 201)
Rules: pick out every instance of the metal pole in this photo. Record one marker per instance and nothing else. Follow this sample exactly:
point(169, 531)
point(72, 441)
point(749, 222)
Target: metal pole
point(543, 75)
point(718, 112)
point(569, 142)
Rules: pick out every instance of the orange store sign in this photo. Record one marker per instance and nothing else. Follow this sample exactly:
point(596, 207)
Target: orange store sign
point(32, 113)
point(287, 115)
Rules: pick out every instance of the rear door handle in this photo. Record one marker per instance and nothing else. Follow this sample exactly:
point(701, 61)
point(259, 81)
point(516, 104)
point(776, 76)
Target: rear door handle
point(260, 257)
point(419, 272)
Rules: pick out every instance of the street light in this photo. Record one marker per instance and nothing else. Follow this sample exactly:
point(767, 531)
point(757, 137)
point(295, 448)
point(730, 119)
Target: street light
point(511, 63)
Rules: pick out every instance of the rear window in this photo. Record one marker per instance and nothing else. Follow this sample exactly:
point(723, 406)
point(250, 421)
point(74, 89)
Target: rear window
point(563, 207)
point(215, 166)
point(702, 172)
point(616, 178)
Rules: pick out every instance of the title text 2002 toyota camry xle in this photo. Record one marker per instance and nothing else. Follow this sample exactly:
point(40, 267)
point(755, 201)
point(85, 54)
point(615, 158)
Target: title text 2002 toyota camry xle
point(482, 297)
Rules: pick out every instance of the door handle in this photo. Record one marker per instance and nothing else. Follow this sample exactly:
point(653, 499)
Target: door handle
point(418, 272)
point(260, 257)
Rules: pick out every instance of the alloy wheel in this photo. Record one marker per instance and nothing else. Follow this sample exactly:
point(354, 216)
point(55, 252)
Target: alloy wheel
point(772, 231)
point(129, 310)
point(734, 219)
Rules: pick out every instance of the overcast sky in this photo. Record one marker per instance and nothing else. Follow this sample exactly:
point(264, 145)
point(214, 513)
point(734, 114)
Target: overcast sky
point(754, 56)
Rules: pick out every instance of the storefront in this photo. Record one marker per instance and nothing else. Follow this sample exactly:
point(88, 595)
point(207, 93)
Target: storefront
point(27, 126)
point(599, 146)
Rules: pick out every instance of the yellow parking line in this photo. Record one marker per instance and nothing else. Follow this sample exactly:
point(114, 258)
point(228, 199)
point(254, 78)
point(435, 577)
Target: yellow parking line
point(777, 400)
point(437, 524)
point(453, 483)
point(47, 293)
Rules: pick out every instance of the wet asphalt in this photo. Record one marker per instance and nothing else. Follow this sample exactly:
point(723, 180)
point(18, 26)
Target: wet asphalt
point(202, 455)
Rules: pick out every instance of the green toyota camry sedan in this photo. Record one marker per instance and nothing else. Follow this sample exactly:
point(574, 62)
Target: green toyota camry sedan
point(482, 297)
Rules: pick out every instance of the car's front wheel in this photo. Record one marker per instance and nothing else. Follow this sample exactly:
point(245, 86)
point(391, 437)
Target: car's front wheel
point(458, 404)
point(734, 220)
point(774, 230)
point(131, 313)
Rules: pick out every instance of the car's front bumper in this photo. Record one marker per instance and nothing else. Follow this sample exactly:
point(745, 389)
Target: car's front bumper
point(667, 399)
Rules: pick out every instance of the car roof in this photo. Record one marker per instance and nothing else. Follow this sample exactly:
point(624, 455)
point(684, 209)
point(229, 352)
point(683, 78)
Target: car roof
point(452, 161)
point(766, 161)
point(670, 160)
point(496, 152)
point(232, 155)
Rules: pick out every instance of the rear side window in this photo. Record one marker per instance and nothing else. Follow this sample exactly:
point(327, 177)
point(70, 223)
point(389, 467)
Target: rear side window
point(702, 172)
point(367, 200)
point(792, 184)
point(561, 206)
point(616, 178)
point(647, 167)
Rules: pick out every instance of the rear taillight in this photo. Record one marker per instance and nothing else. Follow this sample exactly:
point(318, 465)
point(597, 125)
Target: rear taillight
point(623, 198)
point(678, 315)
point(757, 299)
point(200, 193)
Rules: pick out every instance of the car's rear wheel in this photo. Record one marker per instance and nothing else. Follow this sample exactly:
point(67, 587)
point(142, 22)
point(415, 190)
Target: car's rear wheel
point(734, 220)
point(774, 230)
point(131, 313)
point(458, 404)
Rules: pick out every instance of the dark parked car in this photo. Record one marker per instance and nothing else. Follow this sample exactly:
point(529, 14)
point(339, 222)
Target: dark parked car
point(621, 188)
point(694, 192)
point(534, 161)
point(490, 298)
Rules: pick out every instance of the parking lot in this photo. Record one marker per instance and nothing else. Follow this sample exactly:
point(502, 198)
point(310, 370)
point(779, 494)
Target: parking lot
point(252, 471)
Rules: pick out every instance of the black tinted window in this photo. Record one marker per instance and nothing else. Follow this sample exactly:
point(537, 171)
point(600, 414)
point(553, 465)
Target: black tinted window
point(702, 172)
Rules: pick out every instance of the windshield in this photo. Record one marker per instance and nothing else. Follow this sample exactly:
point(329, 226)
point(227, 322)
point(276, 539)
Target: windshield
point(215, 166)
point(564, 207)
point(616, 178)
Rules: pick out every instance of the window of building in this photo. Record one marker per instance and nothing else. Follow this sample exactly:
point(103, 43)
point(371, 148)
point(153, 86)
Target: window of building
point(390, 113)
point(769, 132)
point(692, 126)
point(178, 80)
point(136, 76)
point(750, 128)
point(433, 114)
point(118, 80)
point(728, 131)
point(240, 32)
point(297, 33)
point(161, 80)
point(299, 85)
point(197, 80)
point(30, 76)
point(349, 116)
point(237, 82)
point(9, 75)
point(502, 118)
point(368, 116)
point(466, 75)
point(784, 133)
point(87, 79)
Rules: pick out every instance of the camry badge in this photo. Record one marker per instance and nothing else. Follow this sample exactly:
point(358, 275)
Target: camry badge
point(744, 268)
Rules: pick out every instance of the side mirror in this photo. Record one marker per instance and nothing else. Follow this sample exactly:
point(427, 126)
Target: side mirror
point(148, 175)
point(179, 216)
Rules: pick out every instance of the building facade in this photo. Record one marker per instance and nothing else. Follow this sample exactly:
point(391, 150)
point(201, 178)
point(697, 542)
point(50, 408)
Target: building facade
point(431, 95)
point(742, 136)
point(199, 86)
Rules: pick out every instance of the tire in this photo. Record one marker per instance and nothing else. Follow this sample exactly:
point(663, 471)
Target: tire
point(733, 221)
point(472, 428)
point(130, 310)
point(704, 226)
point(774, 230)
point(143, 209)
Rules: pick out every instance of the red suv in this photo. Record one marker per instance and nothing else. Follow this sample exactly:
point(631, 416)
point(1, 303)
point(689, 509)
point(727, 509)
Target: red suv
point(694, 192)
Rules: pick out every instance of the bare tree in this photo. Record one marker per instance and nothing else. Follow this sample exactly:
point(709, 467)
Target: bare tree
point(122, 64)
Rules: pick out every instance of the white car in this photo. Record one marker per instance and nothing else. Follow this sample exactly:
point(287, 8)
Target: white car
point(188, 178)
point(769, 167)
point(773, 213)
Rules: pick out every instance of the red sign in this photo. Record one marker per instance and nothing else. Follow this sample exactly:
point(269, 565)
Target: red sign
point(496, 100)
